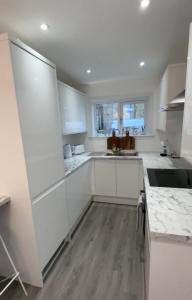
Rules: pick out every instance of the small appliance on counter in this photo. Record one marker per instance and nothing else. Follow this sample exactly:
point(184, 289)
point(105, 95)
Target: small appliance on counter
point(78, 149)
point(67, 151)
point(165, 148)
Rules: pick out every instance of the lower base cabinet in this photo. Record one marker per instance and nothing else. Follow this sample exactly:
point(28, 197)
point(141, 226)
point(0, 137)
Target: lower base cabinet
point(78, 192)
point(128, 172)
point(51, 222)
point(120, 178)
point(147, 245)
point(168, 269)
point(57, 211)
point(104, 177)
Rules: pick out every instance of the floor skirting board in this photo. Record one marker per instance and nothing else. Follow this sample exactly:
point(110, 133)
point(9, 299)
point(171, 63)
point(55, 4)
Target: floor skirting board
point(115, 200)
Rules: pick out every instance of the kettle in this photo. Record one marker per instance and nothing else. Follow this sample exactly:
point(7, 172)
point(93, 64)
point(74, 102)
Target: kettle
point(67, 151)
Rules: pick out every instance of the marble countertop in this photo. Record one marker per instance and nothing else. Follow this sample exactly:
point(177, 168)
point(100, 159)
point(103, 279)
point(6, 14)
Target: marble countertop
point(73, 163)
point(76, 161)
point(169, 209)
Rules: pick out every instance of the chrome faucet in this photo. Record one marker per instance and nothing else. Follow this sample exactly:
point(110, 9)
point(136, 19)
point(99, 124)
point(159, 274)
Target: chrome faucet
point(119, 132)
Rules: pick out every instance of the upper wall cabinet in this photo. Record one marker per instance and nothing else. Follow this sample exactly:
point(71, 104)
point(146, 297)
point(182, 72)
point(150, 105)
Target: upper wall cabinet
point(172, 83)
point(186, 148)
point(73, 109)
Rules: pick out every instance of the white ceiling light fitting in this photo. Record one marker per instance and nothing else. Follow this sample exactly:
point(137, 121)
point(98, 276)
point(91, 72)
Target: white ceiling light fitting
point(144, 4)
point(44, 26)
point(88, 71)
point(142, 63)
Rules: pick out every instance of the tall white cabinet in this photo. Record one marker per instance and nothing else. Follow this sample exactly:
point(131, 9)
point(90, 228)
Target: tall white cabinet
point(186, 148)
point(31, 160)
point(73, 109)
point(36, 92)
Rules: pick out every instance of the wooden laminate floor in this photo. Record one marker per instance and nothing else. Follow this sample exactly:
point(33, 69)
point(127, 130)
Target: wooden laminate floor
point(101, 263)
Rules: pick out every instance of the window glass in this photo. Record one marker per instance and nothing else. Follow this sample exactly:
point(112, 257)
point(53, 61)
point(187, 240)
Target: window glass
point(120, 116)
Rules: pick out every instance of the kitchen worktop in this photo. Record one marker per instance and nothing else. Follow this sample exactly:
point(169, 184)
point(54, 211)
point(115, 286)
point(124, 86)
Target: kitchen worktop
point(76, 161)
point(169, 209)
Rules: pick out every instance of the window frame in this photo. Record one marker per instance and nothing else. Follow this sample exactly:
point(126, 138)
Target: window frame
point(144, 100)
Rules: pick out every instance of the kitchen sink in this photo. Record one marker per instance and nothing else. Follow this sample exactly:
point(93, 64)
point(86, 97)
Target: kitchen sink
point(133, 153)
point(97, 154)
point(122, 154)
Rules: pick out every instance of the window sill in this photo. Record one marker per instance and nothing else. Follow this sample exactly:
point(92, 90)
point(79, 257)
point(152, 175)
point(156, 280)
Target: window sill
point(135, 136)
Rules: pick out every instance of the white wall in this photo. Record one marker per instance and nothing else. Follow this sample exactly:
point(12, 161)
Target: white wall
point(130, 88)
point(174, 130)
point(123, 89)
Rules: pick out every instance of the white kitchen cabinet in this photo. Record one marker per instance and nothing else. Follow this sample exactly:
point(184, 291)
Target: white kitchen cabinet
point(51, 221)
point(147, 245)
point(117, 178)
point(172, 83)
point(105, 177)
point(37, 98)
point(31, 158)
point(78, 191)
point(128, 172)
point(169, 274)
point(73, 109)
point(186, 148)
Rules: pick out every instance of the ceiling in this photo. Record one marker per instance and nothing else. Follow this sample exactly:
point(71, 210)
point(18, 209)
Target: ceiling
point(110, 37)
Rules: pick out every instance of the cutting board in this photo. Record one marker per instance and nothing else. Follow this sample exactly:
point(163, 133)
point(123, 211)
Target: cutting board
point(126, 142)
point(113, 141)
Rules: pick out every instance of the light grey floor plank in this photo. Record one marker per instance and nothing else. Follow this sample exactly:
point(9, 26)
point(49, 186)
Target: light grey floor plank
point(102, 262)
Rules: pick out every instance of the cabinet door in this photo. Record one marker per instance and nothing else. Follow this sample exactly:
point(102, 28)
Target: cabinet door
point(163, 99)
point(73, 109)
point(51, 222)
point(86, 183)
point(147, 257)
point(172, 83)
point(78, 186)
point(105, 177)
point(82, 112)
point(128, 178)
point(37, 98)
point(186, 147)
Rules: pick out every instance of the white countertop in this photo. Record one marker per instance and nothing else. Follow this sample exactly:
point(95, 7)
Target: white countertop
point(73, 163)
point(169, 209)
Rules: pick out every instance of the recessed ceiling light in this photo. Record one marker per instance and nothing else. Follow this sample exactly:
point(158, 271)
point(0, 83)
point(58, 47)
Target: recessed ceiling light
point(144, 4)
point(44, 27)
point(142, 63)
point(88, 71)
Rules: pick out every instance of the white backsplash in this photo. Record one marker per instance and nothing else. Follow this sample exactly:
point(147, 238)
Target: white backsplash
point(143, 144)
point(73, 139)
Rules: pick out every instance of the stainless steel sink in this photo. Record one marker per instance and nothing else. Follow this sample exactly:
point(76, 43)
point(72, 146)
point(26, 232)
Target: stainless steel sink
point(97, 154)
point(122, 154)
point(111, 154)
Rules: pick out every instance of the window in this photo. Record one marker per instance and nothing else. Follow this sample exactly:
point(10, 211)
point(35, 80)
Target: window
point(119, 116)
